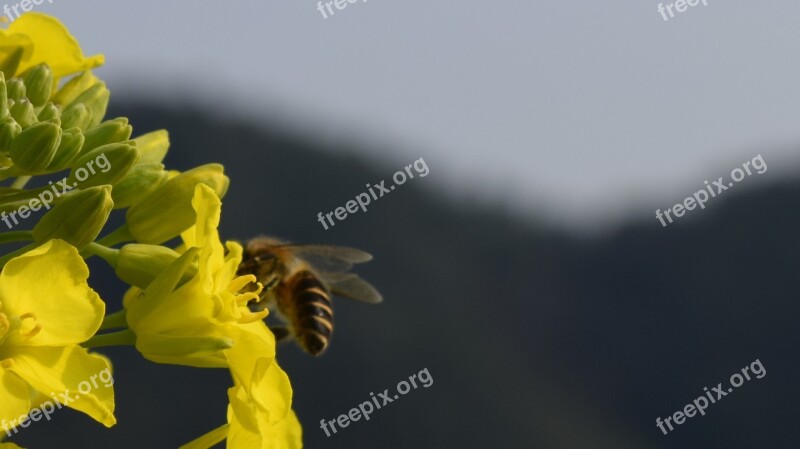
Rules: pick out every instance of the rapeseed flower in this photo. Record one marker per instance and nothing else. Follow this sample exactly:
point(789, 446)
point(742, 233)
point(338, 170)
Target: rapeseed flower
point(47, 310)
point(211, 307)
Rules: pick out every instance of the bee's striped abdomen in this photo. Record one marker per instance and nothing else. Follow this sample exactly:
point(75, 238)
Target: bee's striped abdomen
point(313, 315)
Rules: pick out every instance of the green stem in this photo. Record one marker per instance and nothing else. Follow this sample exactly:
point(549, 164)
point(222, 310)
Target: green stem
point(208, 440)
point(116, 320)
point(20, 182)
point(4, 260)
point(121, 234)
point(25, 195)
point(110, 255)
point(121, 338)
point(16, 236)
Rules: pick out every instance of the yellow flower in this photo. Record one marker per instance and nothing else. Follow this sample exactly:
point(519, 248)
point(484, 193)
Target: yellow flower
point(195, 322)
point(44, 39)
point(267, 424)
point(254, 424)
point(172, 320)
point(46, 310)
point(210, 307)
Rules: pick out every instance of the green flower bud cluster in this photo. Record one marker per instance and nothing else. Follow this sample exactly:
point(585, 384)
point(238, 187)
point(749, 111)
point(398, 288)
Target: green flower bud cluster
point(46, 129)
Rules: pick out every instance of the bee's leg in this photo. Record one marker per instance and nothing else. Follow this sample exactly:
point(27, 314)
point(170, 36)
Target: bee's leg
point(267, 288)
point(282, 333)
point(270, 285)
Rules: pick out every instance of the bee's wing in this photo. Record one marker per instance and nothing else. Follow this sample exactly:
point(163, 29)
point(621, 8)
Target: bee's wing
point(331, 263)
point(329, 259)
point(350, 286)
point(357, 289)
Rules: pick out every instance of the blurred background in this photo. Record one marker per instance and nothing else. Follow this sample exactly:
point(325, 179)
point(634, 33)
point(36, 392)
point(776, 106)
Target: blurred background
point(527, 272)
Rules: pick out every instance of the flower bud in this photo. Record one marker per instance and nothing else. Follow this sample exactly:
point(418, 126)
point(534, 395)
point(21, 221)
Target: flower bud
point(68, 149)
point(74, 87)
point(39, 83)
point(76, 116)
point(9, 130)
point(153, 146)
point(34, 148)
point(107, 164)
point(110, 131)
point(168, 210)
point(143, 179)
point(48, 112)
point(96, 99)
point(56, 121)
point(139, 264)
point(23, 113)
point(77, 218)
point(15, 88)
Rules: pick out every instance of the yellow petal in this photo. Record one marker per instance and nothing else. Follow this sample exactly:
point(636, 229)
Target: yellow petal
point(15, 394)
point(53, 45)
point(9, 446)
point(286, 434)
point(252, 354)
point(272, 392)
point(207, 205)
point(69, 372)
point(244, 430)
point(208, 208)
point(249, 430)
point(9, 45)
point(260, 413)
point(264, 382)
point(49, 282)
point(188, 309)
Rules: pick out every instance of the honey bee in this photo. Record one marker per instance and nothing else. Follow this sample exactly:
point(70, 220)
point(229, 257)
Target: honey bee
point(298, 283)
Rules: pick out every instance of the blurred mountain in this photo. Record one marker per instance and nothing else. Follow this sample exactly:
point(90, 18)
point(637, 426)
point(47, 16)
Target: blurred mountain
point(534, 338)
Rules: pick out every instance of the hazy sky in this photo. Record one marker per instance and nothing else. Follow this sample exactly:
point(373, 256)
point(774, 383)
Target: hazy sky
point(579, 110)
